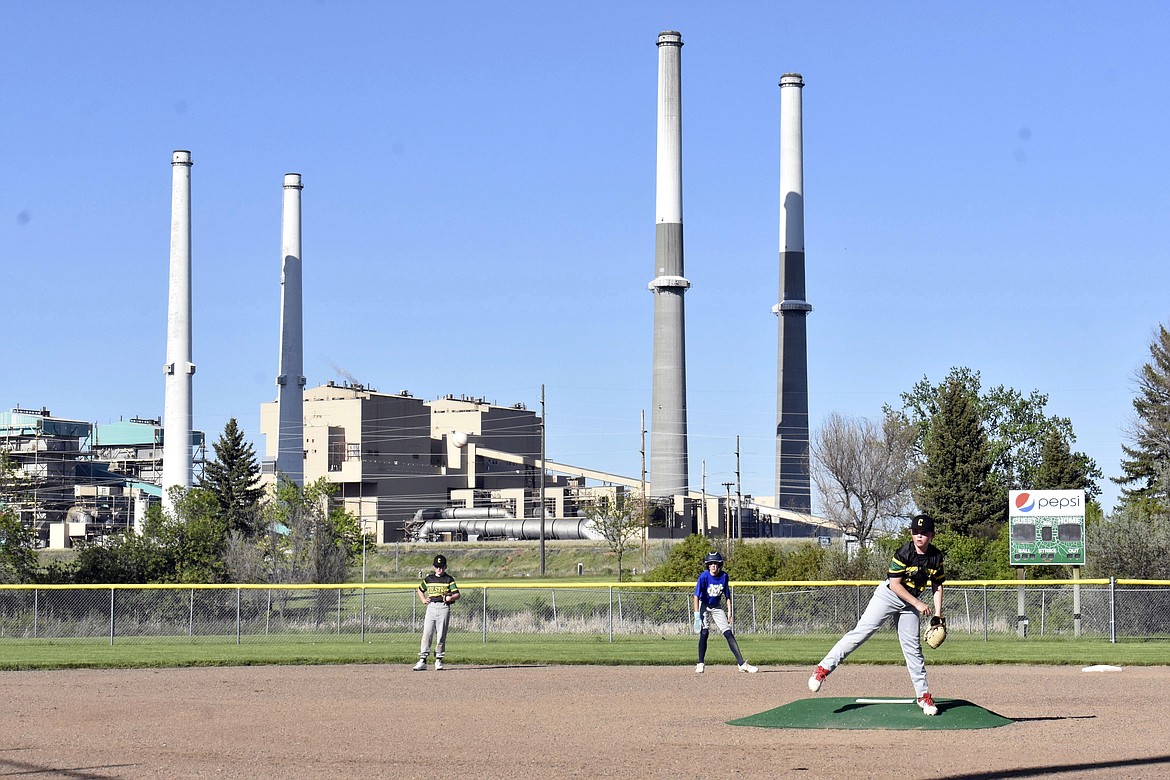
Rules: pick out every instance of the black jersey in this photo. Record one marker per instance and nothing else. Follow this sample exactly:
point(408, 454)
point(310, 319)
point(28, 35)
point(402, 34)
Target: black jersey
point(918, 571)
point(436, 586)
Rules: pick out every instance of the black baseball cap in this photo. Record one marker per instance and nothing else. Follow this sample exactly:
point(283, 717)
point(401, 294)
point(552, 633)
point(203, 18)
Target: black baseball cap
point(923, 524)
point(440, 562)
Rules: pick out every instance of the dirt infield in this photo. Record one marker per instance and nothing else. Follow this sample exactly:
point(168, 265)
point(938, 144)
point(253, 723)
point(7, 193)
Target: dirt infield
point(565, 721)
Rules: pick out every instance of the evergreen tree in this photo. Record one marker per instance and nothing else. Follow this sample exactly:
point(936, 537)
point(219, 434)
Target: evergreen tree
point(957, 485)
point(1146, 459)
point(233, 478)
point(1061, 469)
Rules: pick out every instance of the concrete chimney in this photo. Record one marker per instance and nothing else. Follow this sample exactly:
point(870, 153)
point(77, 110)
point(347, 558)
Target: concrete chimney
point(668, 418)
point(179, 369)
point(290, 400)
point(793, 486)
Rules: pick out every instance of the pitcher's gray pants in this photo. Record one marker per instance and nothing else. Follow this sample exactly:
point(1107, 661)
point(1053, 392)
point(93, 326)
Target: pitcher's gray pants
point(885, 604)
point(435, 621)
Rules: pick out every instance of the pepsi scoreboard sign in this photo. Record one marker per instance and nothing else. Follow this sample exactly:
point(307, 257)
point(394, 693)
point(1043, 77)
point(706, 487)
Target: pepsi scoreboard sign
point(1048, 527)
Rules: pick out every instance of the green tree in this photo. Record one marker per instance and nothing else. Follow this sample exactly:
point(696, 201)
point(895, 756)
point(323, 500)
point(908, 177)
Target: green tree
point(233, 477)
point(1144, 467)
point(684, 561)
point(188, 546)
point(619, 522)
point(956, 484)
point(310, 541)
point(18, 560)
point(1016, 426)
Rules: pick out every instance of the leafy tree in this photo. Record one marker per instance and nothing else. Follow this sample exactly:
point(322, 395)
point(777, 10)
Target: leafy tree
point(863, 472)
point(233, 477)
point(18, 560)
point(1134, 542)
point(14, 485)
point(1143, 477)
point(619, 521)
point(754, 562)
point(195, 538)
point(1016, 426)
point(684, 561)
point(309, 540)
point(957, 485)
point(186, 547)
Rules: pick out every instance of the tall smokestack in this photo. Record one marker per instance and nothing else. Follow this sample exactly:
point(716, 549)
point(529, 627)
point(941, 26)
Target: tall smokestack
point(668, 419)
point(793, 489)
point(290, 400)
point(176, 470)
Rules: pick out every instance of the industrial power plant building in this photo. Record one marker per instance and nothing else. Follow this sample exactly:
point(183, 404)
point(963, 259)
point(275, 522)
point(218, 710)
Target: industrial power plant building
point(464, 468)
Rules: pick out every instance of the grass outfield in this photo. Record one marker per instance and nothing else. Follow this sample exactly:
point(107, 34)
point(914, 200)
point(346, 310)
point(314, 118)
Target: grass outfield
point(465, 648)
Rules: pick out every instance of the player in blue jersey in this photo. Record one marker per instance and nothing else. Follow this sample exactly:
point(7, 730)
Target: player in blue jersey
point(712, 589)
point(916, 570)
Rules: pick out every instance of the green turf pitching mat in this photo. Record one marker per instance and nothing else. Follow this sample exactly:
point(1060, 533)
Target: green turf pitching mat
point(873, 713)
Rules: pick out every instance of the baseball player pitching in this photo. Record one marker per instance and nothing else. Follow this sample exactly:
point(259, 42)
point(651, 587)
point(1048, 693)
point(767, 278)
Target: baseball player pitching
point(916, 567)
point(712, 589)
point(438, 591)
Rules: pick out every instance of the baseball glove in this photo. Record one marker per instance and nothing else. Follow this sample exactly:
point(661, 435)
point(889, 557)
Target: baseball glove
point(698, 622)
point(936, 632)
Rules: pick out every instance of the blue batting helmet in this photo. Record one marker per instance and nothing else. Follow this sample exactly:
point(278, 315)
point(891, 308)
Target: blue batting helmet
point(713, 557)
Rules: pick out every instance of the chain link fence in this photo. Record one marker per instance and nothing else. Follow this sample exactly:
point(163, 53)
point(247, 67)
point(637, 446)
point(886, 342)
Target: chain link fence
point(1111, 609)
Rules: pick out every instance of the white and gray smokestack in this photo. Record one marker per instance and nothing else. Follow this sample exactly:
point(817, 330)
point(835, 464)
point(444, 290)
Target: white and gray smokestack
point(176, 468)
point(290, 400)
point(668, 419)
point(793, 487)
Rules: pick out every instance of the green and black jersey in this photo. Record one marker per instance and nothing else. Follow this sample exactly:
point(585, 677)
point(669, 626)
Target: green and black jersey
point(918, 571)
point(436, 586)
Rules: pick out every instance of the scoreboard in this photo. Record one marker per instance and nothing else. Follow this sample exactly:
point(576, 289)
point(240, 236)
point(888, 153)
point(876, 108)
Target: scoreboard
point(1047, 527)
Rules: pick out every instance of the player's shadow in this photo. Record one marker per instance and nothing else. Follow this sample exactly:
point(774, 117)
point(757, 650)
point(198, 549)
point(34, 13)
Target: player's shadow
point(1120, 764)
point(1054, 717)
point(489, 667)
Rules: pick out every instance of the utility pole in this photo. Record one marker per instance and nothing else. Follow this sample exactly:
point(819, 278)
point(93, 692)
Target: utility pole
point(645, 502)
point(728, 485)
point(738, 494)
point(542, 457)
point(703, 505)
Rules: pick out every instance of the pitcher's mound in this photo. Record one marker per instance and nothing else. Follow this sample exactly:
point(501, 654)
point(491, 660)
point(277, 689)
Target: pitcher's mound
point(875, 713)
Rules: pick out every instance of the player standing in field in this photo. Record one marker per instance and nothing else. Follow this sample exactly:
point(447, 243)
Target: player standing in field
point(438, 591)
point(915, 567)
point(711, 590)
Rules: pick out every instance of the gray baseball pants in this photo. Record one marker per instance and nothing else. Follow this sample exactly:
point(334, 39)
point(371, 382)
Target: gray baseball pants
point(883, 605)
point(435, 621)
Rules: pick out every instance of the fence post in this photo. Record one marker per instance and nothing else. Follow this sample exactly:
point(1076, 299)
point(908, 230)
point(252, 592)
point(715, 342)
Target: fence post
point(268, 613)
point(191, 614)
point(238, 614)
point(339, 611)
point(36, 604)
point(111, 616)
point(1076, 588)
point(611, 613)
point(556, 625)
point(1113, 610)
point(363, 612)
point(485, 614)
point(984, 613)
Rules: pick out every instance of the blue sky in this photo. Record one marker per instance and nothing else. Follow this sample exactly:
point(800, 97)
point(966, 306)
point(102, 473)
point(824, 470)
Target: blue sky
point(986, 186)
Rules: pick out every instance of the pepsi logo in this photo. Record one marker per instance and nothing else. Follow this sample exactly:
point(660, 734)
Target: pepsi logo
point(1024, 502)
